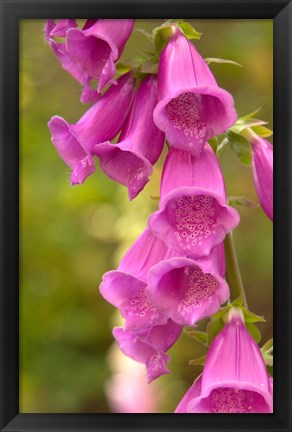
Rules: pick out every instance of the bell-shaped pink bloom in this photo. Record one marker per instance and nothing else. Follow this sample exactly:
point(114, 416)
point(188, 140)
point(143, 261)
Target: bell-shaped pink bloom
point(193, 215)
point(140, 144)
point(125, 287)
point(235, 378)
point(188, 290)
point(59, 30)
point(192, 108)
point(149, 346)
point(96, 48)
point(262, 169)
point(75, 142)
point(192, 393)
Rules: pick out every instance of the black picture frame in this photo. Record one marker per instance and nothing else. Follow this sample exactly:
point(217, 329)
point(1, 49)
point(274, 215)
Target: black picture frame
point(281, 13)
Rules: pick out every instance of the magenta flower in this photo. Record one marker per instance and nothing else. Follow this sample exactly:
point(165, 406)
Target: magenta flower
point(59, 30)
point(125, 287)
point(262, 169)
point(188, 290)
point(193, 216)
point(75, 142)
point(96, 47)
point(130, 161)
point(235, 378)
point(192, 108)
point(149, 346)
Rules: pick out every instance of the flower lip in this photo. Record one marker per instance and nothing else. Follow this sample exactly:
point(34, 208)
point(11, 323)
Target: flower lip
point(70, 150)
point(248, 386)
point(120, 154)
point(174, 288)
point(77, 33)
point(160, 225)
point(127, 292)
point(214, 124)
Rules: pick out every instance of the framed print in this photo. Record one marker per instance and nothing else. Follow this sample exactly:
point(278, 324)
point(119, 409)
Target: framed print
point(145, 241)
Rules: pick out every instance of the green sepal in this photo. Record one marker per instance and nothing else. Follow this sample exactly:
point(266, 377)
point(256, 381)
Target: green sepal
point(268, 346)
point(240, 147)
point(222, 145)
point(270, 370)
point(242, 201)
point(189, 31)
point(213, 328)
point(223, 61)
point(163, 33)
point(256, 125)
point(262, 131)
point(161, 36)
point(200, 361)
point(250, 317)
point(123, 68)
point(253, 331)
point(251, 115)
point(214, 143)
point(242, 124)
point(217, 321)
point(267, 352)
point(199, 336)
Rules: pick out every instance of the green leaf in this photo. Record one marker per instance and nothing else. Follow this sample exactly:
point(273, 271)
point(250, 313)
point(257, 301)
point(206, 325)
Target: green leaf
point(189, 31)
point(240, 146)
point(268, 358)
point(250, 115)
point(197, 335)
point(222, 145)
point(254, 331)
point(237, 303)
point(161, 36)
point(267, 352)
point(250, 317)
point(242, 124)
point(214, 143)
point(270, 370)
point(198, 361)
point(268, 346)
point(123, 68)
point(218, 60)
point(238, 200)
point(213, 328)
point(262, 131)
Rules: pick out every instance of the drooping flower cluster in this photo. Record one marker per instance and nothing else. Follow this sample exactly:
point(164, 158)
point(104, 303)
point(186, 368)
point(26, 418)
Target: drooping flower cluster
point(174, 274)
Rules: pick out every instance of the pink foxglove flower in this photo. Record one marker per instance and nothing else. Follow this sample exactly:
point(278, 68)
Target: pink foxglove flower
point(188, 290)
point(59, 30)
point(192, 108)
point(75, 142)
point(149, 346)
point(193, 215)
point(130, 161)
point(235, 378)
point(96, 48)
point(125, 287)
point(262, 169)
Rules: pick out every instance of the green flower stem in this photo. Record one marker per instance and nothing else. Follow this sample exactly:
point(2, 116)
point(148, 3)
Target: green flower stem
point(233, 275)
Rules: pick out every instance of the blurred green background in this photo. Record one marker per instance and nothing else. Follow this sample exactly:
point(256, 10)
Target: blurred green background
point(71, 236)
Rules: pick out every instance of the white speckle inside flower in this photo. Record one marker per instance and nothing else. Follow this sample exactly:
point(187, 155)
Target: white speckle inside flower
point(184, 114)
point(194, 218)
